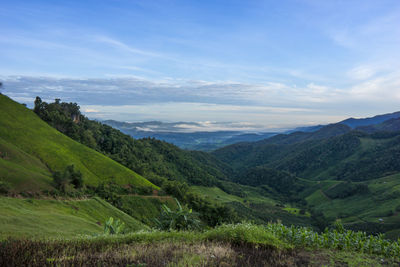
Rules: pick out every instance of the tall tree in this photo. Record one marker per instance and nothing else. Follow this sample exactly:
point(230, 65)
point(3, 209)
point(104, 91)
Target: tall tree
point(38, 105)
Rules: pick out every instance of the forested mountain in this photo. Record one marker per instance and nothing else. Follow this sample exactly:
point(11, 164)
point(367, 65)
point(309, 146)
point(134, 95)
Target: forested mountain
point(391, 125)
point(355, 155)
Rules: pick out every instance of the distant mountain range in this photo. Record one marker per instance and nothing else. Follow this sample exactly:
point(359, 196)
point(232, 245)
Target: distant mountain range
point(175, 132)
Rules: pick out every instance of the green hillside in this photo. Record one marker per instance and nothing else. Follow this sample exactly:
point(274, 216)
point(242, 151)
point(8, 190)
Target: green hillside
point(353, 156)
point(67, 218)
point(353, 177)
point(376, 210)
point(21, 170)
point(391, 125)
point(31, 150)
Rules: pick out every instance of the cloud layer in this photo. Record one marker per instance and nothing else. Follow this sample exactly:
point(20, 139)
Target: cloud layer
point(272, 105)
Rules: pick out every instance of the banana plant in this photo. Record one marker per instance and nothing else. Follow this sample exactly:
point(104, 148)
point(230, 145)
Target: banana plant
point(112, 227)
point(180, 219)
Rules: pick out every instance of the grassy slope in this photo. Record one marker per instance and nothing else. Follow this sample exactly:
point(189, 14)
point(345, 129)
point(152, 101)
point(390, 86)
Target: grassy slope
point(145, 208)
point(28, 140)
point(217, 195)
point(22, 170)
point(67, 218)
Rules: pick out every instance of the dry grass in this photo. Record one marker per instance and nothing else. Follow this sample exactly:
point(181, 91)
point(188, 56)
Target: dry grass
point(172, 253)
point(37, 253)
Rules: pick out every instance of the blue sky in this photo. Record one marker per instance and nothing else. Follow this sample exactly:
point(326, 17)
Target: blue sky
point(270, 64)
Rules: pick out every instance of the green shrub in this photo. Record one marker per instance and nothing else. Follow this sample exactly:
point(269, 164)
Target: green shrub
point(70, 177)
point(245, 233)
point(180, 219)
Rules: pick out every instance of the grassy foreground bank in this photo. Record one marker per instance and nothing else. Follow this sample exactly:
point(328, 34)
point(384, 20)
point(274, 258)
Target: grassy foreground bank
point(227, 245)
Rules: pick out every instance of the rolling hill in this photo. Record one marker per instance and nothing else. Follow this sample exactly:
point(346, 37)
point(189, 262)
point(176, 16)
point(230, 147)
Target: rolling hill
point(31, 150)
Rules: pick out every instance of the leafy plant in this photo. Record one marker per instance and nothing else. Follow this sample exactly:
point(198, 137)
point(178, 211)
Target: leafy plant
point(338, 227)
point(112, 227)
point(180, 219)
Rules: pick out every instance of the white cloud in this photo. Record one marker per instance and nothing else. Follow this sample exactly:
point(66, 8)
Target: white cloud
point(384, 88)
point(120, 45)
point(91, 110)
point(362, 72)
point(278, 104)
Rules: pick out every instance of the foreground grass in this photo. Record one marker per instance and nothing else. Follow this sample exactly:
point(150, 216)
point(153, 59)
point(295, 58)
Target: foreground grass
point(227, 245)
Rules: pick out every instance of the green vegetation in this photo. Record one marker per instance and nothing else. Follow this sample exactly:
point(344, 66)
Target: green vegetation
point(149, 157)
point(145, 208)
point(340, 177)
point(354, 156)
point(283, 182)
point(227, 245)
point(113, 227)
point(70, 177)
point(27, 140)
point(216, 194)
point(255, 206)
point(346, 189)
point(51, 218)
point(179, 219)
point(373, 212)
point(162, 162)
point(22, 171)
point(314, 185)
